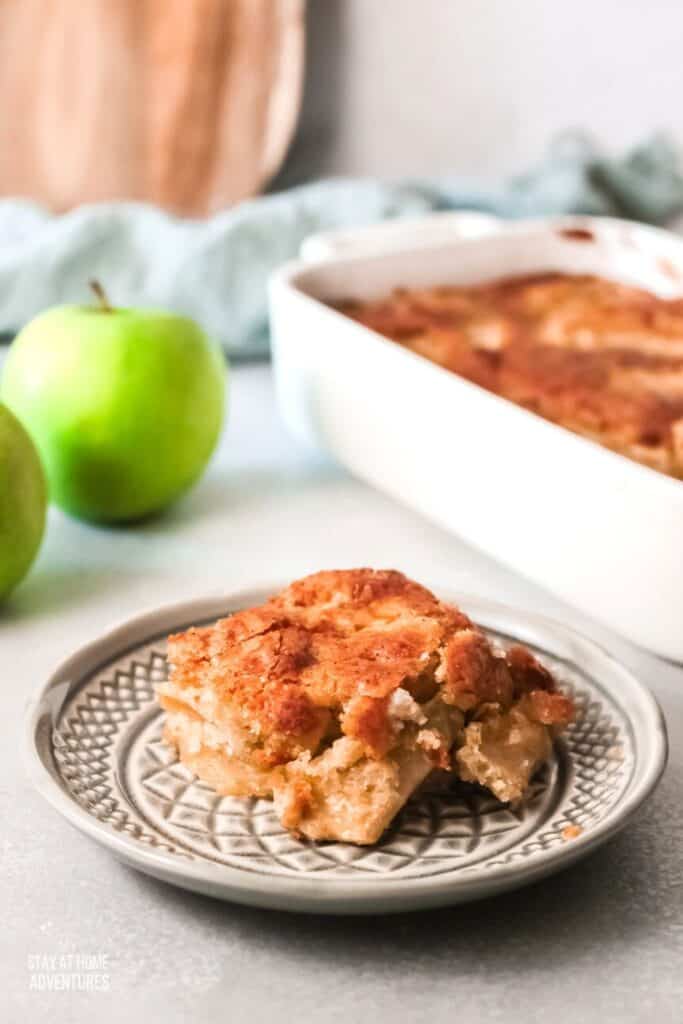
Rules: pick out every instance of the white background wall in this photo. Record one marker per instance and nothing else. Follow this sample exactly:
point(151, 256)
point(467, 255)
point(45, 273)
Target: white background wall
point(479, 87)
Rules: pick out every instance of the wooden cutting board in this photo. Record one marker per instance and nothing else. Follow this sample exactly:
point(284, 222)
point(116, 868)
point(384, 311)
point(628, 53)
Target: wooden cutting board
point(189, 104)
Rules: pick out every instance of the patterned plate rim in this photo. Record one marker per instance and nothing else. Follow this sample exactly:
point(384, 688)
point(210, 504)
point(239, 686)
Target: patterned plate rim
point(336, 895)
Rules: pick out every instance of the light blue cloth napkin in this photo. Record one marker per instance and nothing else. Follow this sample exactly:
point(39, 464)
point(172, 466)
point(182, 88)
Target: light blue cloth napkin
point(216, 269)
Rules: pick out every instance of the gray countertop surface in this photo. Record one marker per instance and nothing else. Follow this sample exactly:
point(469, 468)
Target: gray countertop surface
point(600, 942)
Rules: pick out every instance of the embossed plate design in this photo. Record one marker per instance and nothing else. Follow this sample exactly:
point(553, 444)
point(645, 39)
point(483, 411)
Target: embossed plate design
point(95, 752)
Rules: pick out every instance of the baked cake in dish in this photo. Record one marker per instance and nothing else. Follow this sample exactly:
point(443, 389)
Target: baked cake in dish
point(340, 695)
point(598, 357)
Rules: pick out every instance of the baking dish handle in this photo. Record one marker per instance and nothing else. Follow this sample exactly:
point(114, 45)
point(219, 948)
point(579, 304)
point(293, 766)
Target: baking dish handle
point(395, 235)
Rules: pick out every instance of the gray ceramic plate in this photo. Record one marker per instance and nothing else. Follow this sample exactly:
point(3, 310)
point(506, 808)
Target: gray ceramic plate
point(95, 752)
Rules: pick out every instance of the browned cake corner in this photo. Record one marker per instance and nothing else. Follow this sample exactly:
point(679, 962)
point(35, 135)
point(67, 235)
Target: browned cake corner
point(601, 358)
point(340, 695)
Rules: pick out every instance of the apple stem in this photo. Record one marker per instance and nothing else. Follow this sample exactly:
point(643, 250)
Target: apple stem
point(101, 296)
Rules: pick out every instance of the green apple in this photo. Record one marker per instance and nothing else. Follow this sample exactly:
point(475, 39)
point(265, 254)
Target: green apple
point(125, 405)
point(23, 501)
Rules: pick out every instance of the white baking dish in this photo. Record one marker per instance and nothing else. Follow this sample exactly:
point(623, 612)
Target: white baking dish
point(599, 530)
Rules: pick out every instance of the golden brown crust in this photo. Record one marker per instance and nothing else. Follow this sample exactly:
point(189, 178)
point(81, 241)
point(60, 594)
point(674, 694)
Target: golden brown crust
point(339, 672)
point(335, 640)
point(601, 358)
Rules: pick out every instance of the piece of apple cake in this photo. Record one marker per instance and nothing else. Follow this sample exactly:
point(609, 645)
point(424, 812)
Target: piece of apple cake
point(340, 695)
